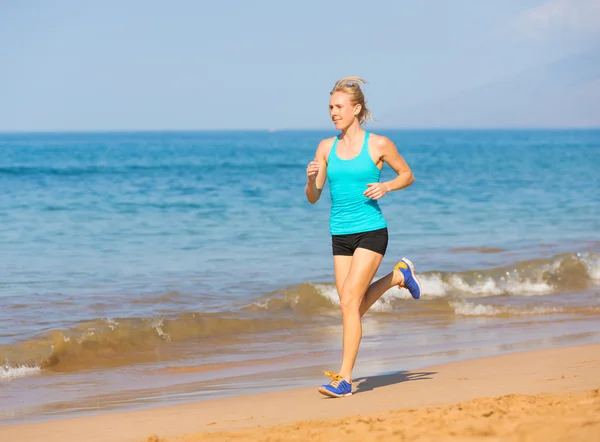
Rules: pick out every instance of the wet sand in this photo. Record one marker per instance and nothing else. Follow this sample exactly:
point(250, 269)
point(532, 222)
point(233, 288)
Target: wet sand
point(531, 396)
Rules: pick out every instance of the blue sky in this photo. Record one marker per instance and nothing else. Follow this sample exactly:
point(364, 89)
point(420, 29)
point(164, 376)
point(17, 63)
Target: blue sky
point(72, 65)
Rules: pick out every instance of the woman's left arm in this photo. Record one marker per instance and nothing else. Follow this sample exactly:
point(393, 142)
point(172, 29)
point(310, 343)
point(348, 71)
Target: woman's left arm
point(389, 154)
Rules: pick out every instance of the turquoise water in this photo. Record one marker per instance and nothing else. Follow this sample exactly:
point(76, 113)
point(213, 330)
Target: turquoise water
point(117, 245)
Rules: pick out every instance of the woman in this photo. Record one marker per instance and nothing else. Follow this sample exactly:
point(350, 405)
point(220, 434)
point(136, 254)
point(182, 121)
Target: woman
point(352, 161)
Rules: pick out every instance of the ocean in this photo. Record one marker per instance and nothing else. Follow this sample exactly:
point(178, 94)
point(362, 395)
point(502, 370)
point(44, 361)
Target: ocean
point(150, 268)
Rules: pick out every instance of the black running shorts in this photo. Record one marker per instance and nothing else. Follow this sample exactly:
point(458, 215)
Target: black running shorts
point(375, 240)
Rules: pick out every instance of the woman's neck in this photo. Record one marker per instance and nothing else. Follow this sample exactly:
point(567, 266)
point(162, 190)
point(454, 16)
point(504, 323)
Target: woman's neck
point(352, 133)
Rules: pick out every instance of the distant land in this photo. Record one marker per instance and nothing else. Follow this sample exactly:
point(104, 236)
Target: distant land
point(562, 94)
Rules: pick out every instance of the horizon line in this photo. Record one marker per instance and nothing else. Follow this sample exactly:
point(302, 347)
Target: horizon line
point(275, 130)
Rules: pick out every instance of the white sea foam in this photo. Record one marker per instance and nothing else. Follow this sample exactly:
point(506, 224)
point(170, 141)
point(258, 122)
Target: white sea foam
point(485, 287)
point(470, 309)
point(112, 324)
point(157, 324)
point(7, 372)
point(263, 305)
point(466, 308)
point(527, 288)
point(328, 291)
point(592, 264)
point(432, 285)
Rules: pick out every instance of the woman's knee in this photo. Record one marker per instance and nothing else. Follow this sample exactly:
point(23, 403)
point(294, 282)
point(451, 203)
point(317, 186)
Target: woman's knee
point(350, 302)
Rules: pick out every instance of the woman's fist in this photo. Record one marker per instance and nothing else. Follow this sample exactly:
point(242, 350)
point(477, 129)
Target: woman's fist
point(312, 170)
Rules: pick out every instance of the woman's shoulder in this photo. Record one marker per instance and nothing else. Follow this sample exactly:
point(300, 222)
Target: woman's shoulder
point(327, 141)
point(325, 145)
point(380, 142)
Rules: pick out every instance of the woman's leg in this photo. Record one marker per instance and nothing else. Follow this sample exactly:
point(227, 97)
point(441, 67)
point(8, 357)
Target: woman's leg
point(363, 266)
point(341, 268)
point(353, 275)
point(379, 287)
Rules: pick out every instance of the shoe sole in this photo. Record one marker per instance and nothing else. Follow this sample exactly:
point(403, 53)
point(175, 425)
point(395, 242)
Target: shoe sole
point(326, 392)
point(413, 273)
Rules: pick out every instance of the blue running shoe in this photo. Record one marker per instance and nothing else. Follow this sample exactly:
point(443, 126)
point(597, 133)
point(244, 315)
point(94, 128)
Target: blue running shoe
point(339, 387)
point(411, 282)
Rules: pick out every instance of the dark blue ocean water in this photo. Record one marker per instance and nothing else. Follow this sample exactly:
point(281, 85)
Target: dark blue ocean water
point(98, 229)
point(224, 213)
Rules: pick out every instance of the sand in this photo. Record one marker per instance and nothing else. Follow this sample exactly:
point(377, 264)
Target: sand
point(542, 395)
point(515, 417)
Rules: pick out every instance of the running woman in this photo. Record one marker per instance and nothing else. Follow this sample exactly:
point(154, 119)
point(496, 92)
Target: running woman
point(352, 162)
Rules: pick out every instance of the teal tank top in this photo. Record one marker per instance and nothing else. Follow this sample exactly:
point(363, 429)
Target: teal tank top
point(352, 212)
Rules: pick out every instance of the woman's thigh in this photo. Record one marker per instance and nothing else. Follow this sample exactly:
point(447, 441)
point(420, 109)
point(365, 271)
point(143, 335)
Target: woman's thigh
point(359, 275)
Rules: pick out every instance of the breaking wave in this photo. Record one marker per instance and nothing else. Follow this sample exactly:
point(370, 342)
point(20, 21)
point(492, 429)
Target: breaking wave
point(562, 273)
point(124, 341)
point(112, 342)
point(538, 277)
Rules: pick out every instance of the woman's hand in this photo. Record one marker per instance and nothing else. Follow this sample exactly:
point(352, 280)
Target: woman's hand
point(375, 190)
point(312, 171)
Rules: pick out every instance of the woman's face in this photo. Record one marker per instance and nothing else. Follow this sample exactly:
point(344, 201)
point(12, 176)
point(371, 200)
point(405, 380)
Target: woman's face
point(342, 111)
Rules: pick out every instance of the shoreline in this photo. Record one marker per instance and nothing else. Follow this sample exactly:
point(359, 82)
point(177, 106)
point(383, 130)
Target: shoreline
point(558, 370)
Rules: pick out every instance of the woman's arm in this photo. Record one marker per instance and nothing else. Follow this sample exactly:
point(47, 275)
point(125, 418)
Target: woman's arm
point(316, 173)
point(388, 153)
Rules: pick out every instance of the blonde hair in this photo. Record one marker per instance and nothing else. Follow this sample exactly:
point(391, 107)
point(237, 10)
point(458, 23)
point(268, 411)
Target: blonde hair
point(350, 86)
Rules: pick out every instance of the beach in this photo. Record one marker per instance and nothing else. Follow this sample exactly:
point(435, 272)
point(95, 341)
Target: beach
point(539, 395)
point(196, 198)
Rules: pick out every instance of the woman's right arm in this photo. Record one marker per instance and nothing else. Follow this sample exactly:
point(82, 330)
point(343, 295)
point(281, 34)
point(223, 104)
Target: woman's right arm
point(316, 173)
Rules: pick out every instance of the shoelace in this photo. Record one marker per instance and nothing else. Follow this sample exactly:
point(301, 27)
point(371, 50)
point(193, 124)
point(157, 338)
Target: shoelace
point(336, 378)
